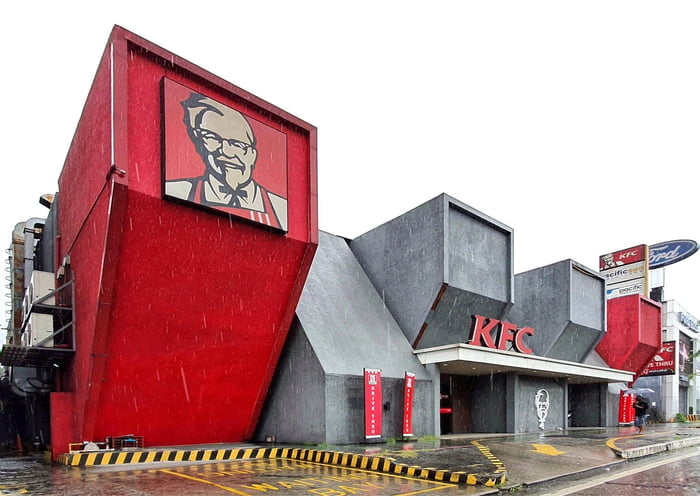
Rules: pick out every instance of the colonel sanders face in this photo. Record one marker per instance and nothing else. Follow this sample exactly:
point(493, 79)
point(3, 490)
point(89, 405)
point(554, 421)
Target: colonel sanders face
point(223, 139)
point(608, 261)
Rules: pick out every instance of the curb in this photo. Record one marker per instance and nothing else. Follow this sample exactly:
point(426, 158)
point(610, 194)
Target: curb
point(350, 460)
point(652, 448)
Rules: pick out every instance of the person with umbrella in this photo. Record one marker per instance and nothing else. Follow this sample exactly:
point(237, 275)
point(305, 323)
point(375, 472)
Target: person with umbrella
point(640, 406)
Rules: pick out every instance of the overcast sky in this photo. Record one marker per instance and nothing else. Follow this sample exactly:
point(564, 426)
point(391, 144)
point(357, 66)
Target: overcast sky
point(575, 123)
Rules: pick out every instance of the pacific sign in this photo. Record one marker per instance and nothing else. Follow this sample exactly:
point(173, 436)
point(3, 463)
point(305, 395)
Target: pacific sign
point(670, 252)
point(505, 333)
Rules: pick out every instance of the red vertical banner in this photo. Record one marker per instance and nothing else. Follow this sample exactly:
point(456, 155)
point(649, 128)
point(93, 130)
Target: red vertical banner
point(409, 386)
point(625, 413)
point(373, 403)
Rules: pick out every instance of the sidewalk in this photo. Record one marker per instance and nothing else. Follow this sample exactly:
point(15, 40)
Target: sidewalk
point(475, 459)
point(531, 459)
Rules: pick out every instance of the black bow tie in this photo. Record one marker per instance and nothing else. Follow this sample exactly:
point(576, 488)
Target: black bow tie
point(236, 195)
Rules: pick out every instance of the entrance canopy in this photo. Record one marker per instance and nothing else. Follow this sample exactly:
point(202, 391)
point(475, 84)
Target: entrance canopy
point(464, 359)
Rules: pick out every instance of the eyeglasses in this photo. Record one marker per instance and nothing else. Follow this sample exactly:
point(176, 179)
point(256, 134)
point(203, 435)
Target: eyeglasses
point(214, 142)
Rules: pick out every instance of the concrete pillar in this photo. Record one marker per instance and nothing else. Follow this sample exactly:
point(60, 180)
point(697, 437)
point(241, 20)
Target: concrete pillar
point(512, 413)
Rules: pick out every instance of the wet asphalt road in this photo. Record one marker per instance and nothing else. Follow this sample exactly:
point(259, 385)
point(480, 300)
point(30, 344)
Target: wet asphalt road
point(531, 460)
point(672, 473)
point(669, 474)
point(35, 477)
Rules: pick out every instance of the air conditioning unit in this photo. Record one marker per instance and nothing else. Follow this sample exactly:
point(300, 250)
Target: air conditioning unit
point(39, 325)
point(42, 283)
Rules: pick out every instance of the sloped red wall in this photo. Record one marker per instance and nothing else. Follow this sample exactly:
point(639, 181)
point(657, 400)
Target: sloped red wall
point(633, 333)
point(180, 313)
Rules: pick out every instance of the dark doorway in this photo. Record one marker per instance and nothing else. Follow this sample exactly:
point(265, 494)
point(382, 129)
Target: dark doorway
point(584, 408)
point(455, 404)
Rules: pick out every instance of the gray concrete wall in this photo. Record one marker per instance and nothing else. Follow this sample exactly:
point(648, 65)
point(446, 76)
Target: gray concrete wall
point(479, 276)
point(451, 319)
point(612, 407)
point(342, 328)
point(436, 266)
point(526, 419)
point(506, 403)
point(404, 259)
point(542, 302)
point(588, 301)
point(345, 318)
point(345, 409)
point(585, 402)
point(489, 403)
point(480, 253)
point(575, 342)
point(295, 410)
point(565, 304)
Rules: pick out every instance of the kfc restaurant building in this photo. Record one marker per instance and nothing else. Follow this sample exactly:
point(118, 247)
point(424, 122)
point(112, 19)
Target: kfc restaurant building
point(207, 307)
point(432, 292)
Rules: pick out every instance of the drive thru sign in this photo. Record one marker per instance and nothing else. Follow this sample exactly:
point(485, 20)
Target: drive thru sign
point(373, 403)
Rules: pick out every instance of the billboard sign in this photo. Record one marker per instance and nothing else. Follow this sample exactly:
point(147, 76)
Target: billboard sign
point(220, 158)
point(624, 289)
point(670, 252)
point(685, 357)
point(664, 361)
point(625, 271)
point(628, 272)
point(623, 257)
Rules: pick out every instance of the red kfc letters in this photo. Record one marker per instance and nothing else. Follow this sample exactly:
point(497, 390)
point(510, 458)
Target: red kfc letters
point(505, 332)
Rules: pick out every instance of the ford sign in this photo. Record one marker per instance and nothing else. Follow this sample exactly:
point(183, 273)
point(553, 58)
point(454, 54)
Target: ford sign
point(663, 254)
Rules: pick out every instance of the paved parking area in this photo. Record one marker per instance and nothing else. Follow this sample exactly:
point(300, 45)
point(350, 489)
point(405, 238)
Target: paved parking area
point(295, 477)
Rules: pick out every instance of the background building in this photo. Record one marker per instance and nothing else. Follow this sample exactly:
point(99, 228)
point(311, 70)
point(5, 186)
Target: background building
point(672, 373)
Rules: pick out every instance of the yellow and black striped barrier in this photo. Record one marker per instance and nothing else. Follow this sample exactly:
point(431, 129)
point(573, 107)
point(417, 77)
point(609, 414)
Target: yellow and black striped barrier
point(349, 460)
point(96, 458)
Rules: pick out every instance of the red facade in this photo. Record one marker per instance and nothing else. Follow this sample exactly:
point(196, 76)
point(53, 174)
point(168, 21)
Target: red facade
point(181, 312)
point(633, 333)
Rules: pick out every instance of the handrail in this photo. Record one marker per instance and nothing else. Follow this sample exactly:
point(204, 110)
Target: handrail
point(60, 331)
